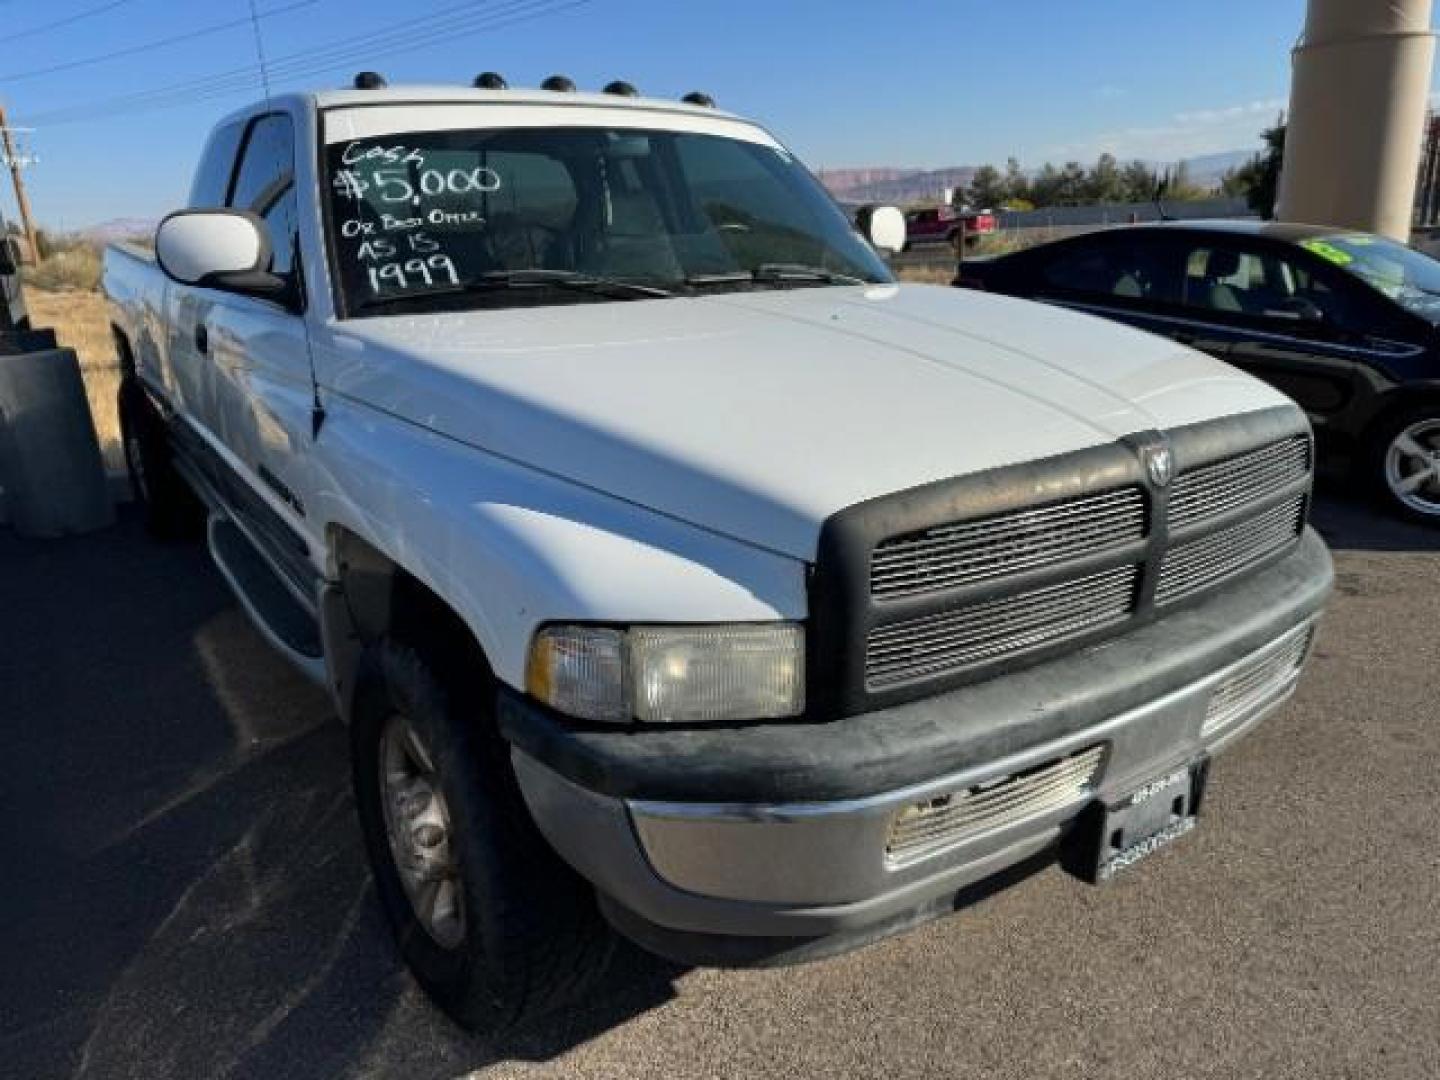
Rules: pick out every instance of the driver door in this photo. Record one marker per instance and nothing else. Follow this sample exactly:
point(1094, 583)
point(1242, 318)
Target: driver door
point(1287, 324)
point(257, 357)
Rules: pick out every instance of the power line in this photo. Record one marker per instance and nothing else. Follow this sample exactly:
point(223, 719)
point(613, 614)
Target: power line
point(430, 28)
point(439, 26)
point(243, 77)
point(99, 9)
point(148, 46)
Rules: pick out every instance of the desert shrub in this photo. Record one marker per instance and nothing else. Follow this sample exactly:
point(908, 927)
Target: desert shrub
point(75, 267)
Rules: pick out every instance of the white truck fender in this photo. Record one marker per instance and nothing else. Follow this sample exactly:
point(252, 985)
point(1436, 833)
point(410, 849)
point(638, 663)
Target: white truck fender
point(508, 548)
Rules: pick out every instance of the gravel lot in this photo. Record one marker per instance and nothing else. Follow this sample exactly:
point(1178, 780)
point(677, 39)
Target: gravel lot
point(185, 893)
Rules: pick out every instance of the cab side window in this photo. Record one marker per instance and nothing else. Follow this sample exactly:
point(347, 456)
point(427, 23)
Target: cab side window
point(265, 184)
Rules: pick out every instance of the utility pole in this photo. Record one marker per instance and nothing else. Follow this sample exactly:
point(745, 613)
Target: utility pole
point(22, 200)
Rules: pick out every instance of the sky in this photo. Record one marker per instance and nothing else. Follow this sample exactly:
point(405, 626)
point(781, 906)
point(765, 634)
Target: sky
point(920, 83)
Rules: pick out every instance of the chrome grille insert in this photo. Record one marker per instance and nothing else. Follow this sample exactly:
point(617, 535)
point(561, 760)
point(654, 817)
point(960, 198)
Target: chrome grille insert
point(935, 644)
point(1211, 559)
point(964, 553)
point(1208, 491)
point(927, 828)
point(1257, 680)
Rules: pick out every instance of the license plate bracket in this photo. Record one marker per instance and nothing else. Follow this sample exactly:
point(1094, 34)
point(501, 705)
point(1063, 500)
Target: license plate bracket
point(1116, 834)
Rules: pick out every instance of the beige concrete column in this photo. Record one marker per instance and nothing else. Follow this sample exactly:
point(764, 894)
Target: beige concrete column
point(1358, 98)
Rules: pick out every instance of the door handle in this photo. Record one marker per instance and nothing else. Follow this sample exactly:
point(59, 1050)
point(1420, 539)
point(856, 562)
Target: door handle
point(202, 338)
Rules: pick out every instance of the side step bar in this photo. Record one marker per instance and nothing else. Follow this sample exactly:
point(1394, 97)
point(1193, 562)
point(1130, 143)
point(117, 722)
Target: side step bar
point(269, 602)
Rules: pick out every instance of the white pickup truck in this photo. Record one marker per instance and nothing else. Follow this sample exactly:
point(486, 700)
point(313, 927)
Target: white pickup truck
point(671, 563)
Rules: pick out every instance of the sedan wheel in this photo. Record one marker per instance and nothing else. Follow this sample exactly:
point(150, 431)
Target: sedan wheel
point(1412, 467)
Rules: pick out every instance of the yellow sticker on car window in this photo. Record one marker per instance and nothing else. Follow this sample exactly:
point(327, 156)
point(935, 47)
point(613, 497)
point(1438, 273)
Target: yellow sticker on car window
point(1328, 252)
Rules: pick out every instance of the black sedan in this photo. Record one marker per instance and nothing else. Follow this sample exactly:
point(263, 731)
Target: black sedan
point(1346, 323)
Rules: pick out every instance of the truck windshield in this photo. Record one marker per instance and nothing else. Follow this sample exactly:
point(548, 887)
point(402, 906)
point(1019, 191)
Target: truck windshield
point(507, 217)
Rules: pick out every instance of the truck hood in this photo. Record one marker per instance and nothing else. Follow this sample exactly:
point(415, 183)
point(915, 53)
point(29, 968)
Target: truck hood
point(758, 415)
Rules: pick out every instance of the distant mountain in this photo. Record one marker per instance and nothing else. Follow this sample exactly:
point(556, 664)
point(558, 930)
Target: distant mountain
point(892, 184)
point(1207, 169)
point(118, 229)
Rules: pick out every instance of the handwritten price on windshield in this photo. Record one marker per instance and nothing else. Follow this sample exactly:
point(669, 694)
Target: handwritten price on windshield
point(396, 185)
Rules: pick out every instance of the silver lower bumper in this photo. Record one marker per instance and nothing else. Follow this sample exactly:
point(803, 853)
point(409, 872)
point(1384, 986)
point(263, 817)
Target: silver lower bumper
point(820, 868)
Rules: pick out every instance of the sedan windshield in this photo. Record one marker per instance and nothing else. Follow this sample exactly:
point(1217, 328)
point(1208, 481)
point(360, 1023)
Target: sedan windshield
point(1404, 275)
point(507, 217)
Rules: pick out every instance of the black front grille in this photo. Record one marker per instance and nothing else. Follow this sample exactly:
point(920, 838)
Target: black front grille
point(958, 581)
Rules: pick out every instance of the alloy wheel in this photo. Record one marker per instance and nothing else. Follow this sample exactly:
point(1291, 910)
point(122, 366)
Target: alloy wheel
point(1412, 467)
point(418, 826)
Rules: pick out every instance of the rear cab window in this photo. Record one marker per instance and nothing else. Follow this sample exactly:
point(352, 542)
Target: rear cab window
point(217, 164)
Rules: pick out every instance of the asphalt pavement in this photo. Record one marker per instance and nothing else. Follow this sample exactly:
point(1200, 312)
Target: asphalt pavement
point(184, 892)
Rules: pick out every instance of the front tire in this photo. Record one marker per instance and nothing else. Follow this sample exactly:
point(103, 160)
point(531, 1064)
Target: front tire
point(1403, 462)
point(492, 923)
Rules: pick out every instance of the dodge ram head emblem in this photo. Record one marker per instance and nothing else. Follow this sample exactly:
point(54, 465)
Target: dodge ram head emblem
point(1160, 465)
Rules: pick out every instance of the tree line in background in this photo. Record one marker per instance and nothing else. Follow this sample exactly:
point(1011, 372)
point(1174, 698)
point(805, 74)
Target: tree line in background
point(1258, 180)
point(1110, 181)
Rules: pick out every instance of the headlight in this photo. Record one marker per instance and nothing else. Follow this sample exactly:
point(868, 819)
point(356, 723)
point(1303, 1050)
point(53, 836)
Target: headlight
point(670, 674)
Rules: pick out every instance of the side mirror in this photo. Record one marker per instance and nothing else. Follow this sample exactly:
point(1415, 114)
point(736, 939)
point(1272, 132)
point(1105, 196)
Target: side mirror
point(7, 256)
point(883, 226)
point(220, 249)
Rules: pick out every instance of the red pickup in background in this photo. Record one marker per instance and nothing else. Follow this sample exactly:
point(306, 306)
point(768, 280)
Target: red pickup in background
point(947, 224)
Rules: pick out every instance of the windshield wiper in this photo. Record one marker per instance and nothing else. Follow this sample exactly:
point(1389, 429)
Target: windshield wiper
point(772, 273)
point(737, 277)
point(499, 280)
point(801, 272)
point(567, 279)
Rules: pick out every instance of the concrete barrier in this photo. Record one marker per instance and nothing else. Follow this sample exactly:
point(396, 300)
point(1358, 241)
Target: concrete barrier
point(52, 480)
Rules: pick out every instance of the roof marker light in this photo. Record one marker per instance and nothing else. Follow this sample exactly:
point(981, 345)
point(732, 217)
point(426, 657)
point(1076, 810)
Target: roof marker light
point(370, 80)
point(621, 88)
point(696, 97)
point(559, 84)
point(491, 80)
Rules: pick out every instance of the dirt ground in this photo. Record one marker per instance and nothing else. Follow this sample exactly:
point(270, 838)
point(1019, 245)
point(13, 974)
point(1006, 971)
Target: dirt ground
point(79, 321)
